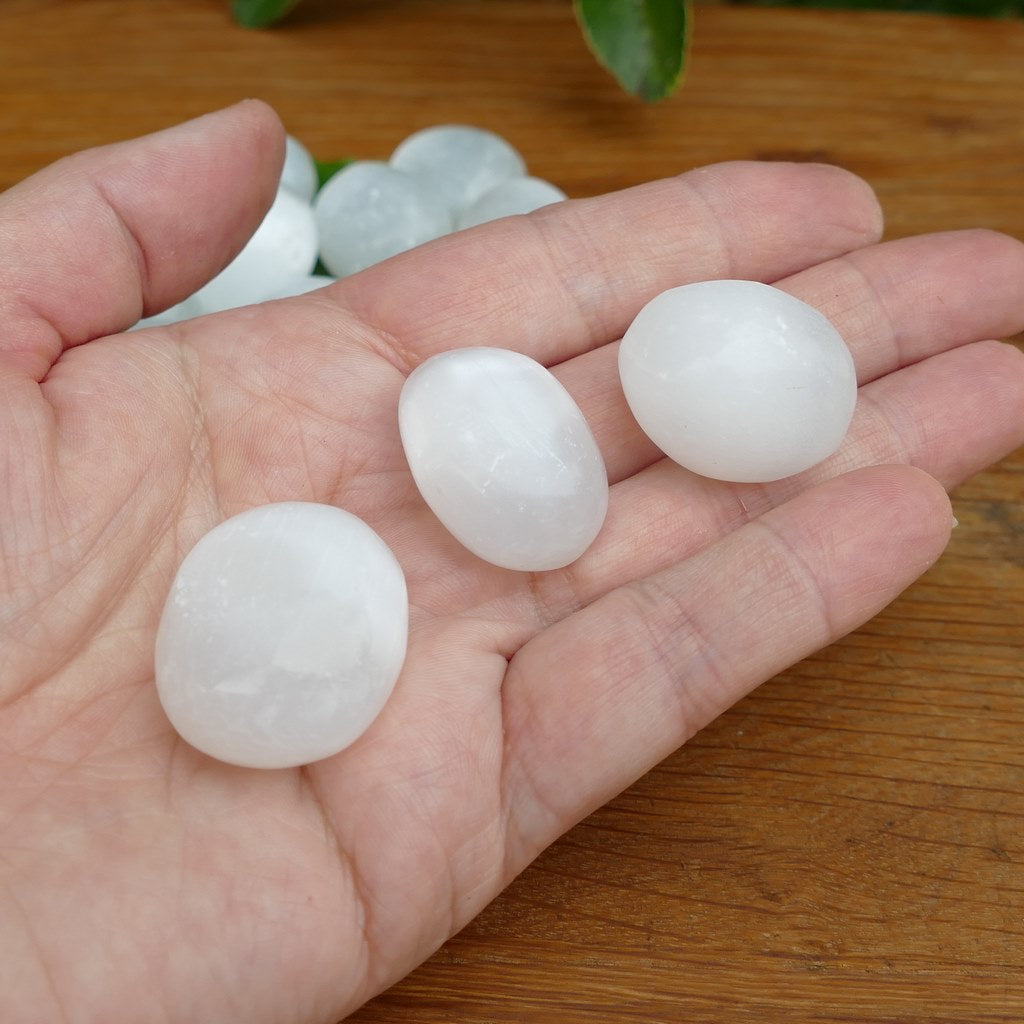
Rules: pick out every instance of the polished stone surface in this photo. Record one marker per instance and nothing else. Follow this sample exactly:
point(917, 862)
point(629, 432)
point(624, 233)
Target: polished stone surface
point(283, 635)
point(517, 195)
point(369, 211)
point(461, 162)
point(503, 456)
point(284, 245)
point(737, 380)
point(299, 174)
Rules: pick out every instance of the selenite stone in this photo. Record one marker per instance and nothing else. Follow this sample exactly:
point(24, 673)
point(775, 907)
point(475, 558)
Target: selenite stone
point(369, 211)
point(299, 172)
point(461, 162)
point(737, 380)
point(284, 245)
point(283, 635)
point(517, 195)
point(504, 458)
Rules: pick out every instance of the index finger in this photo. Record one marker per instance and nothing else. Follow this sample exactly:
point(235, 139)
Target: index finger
point(571, 276)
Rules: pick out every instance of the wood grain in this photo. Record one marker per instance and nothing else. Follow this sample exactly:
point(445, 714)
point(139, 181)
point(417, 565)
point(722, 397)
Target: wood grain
point(847, 844)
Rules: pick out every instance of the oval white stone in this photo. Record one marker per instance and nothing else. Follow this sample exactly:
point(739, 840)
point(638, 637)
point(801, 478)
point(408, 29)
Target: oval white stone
point(369, 211)
point(517, 195)
point(461, 162)
point(737, 380)
point(299, 172)
point(504, 458)
point(283, 635)
point(284, 245)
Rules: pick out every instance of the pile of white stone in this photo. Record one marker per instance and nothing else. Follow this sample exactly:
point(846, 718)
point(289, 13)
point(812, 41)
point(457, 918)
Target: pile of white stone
point(438, 180)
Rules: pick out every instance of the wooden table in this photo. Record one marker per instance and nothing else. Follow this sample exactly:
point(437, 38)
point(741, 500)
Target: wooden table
point(847, 844)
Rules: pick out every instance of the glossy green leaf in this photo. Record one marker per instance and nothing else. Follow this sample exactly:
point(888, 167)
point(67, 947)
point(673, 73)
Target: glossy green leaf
point(260, 13)
point(643, 43)
point(328, 168)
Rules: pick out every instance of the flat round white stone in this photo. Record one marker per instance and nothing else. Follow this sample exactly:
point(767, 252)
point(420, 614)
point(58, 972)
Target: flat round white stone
point(737, 380)
point(283, 635)
point(504, 458)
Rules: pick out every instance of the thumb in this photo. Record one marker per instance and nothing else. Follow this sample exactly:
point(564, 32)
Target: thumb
point(102, 238)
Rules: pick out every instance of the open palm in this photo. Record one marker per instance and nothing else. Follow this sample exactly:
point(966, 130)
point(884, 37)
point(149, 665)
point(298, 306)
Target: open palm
point(145, 881)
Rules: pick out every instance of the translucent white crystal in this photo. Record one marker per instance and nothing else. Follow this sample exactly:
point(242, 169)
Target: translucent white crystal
point(517, 195)
point(299, 172)
point(284, 245)
point(283, 635)
point(503, 456)
point(369, 211)
point(737, 380)
point(460, 161)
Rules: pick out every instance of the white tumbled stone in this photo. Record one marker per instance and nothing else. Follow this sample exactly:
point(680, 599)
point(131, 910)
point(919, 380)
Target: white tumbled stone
point(284, 245)
point(737, 380)
point(460, 161)
point(517, 195)
point(503, 456)
point(298, 174)
point(283, 635)
point(369, 211)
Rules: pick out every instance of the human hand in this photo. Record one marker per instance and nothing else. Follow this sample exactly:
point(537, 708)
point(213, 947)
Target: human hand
point(145, 881)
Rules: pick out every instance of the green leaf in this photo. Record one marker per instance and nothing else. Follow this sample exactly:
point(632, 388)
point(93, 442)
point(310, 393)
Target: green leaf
point(327, 168)
point(260, 13)
point(643, 43)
